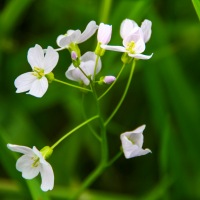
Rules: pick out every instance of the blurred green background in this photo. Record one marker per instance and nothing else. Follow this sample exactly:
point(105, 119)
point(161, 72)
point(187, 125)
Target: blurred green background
point(164, 95)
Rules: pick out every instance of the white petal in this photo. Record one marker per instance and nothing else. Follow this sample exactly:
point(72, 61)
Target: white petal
point(137, 38)
point(113, 48)
point(104, 33)
point(139, 152)
point(25, 165)
point(128, 26)
point(146, 28)
point(24, 82)
point(50, 60)
point(69, 38)
point(88, 32)
point(36, 56)
point(39, 87)
point(141, 56)
point(20, 149)
point(88, 61)
point(75, 74)
point(39, 155)
point(47, 175)
point(59, 39)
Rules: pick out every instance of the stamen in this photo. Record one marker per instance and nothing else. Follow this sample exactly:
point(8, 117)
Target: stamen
point(130, 47)
point(38, 72)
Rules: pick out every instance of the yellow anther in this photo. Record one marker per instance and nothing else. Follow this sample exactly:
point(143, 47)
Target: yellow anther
point(38, 72)
point(130, 47)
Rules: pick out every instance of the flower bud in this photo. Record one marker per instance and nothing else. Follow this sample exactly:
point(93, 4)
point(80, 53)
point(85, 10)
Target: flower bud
point(104, 33)
point(74, 55)
point(109, 79)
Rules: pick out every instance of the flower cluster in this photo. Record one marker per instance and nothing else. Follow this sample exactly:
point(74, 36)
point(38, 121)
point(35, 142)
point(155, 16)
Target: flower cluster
point(84, 69)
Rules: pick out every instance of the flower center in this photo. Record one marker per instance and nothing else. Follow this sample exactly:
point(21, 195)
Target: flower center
point(36, 161)
point(38, 72)
point(132, 141)
point(130, 47)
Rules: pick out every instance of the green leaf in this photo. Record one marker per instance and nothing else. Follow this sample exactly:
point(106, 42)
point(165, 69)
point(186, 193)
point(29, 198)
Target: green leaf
point(196, 4)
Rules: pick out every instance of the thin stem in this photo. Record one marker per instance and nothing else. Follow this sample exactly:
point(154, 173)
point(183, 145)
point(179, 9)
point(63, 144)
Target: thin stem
point(117, 156)
point(112, 83)
point(95, 68)
point(123, 96)
point(91, 178)
point(73, 130)
point(105, 10)
point(71, 85)
point(89, 125)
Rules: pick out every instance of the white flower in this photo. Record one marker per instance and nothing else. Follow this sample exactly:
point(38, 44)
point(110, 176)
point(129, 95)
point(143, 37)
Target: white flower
point(129, 27)
point(75, 36)
point(87, 66)
point(32, 163)
point(134, 39)
point(104, 33)
point(132, 143)
point(35, 82)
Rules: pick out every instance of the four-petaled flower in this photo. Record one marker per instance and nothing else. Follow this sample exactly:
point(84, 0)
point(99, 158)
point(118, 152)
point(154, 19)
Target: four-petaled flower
point(75, 36)
point(85, 72)
point(32, 163)
point(36, 81)
point(132, 143)
point(134, 39)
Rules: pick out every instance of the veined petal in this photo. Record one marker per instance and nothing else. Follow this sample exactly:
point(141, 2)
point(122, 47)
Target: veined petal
point(20, 149)
point(69, 38)
point(128, 26)
point(146, 28)
point(25, 165)
point(47, 175)
point(139, 152)
point(24, 82)
point(75, 74)
point(104, 33)
point(113, 48)
point(141, 56)
point(88, 32)
point(36, 56)
point(39, 87)
point(50, 60)
point(59, 39)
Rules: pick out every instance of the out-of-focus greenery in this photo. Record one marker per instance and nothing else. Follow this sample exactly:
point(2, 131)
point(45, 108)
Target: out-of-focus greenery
point(164, 95)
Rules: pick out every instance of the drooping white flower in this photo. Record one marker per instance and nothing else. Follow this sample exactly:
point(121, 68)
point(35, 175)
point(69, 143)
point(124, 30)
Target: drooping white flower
point(132, 143)
point(35, 82)
point(134, 39)
point(104, 33)
point(87, 65)
point(75, 36)
point(32, 163)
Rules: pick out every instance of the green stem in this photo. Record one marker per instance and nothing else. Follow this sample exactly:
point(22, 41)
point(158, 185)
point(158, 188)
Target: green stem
point(105, 10)
point(89, 125)
point(104, 152)
point(117, 156)
point(123, 96)
point(112, 83)
point(95, 68)
point(71, 85)
point(91, 178)
point(73, 130)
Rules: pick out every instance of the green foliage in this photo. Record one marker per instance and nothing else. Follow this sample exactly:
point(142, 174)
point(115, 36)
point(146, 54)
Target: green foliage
point(164, 95)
